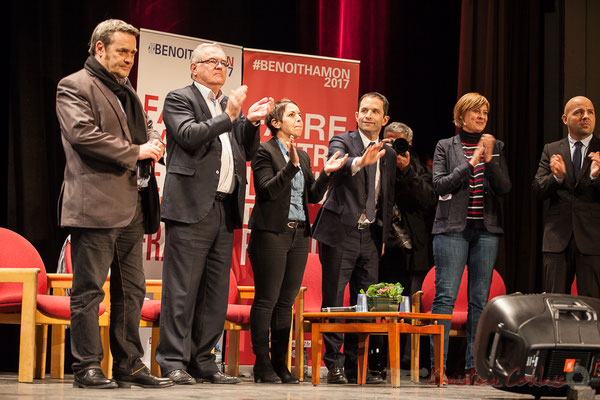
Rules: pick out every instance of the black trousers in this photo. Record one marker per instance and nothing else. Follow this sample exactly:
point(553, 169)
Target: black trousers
point(354, 260)
point(93, 252)
point(195, 291)
point(278, 262)
point(560, 269)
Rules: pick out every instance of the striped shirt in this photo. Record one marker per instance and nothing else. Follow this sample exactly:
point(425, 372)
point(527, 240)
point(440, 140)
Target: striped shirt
point(469, 143)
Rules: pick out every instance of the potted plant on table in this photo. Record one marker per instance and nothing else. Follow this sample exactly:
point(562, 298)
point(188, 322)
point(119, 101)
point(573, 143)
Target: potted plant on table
point(384, 296)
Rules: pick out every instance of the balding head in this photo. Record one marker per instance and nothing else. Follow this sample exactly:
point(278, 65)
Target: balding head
point(579, 117)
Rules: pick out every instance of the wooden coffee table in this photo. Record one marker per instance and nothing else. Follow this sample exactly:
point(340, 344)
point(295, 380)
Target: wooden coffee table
point(390, 323)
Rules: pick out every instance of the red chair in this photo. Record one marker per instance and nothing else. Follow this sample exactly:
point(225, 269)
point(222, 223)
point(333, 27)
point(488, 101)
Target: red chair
point(422, 301)
point(28, 298)
point(309, 299)
point(237, 320)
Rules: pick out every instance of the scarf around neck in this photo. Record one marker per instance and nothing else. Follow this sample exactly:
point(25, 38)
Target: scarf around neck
point(129, 100)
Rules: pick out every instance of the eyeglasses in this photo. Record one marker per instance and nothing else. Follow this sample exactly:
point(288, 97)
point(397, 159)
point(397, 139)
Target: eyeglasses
point(213, 62)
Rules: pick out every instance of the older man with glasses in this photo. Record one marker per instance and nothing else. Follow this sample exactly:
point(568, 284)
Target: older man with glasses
point(208, 143)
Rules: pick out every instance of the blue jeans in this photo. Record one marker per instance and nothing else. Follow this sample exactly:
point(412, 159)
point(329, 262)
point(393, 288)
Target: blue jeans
point(476, 248)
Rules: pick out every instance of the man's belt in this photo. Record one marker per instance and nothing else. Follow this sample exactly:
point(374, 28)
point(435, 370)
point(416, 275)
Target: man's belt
point(296, 224)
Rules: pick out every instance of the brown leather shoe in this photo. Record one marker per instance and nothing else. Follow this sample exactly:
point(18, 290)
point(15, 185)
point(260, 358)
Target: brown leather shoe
point(93, 378)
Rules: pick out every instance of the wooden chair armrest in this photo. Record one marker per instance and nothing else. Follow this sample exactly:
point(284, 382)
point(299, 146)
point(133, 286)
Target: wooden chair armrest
point(416, 301)
point(59, 281)
point(299, 302)
point(154, 286)
point(28, 277)
point(245, 292)
point(18, 275)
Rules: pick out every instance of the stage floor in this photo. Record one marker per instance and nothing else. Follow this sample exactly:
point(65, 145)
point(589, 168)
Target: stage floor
point(63, 389)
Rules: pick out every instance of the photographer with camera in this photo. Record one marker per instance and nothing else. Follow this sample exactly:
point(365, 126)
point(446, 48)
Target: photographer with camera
point(406, 257)
point(407, 251)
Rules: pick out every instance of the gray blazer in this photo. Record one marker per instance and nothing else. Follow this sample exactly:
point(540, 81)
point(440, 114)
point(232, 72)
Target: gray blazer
point(100, 181)
point(194, 156)
point(451, 172)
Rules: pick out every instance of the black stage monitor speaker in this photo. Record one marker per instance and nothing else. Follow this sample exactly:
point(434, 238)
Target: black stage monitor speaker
point(539, 344)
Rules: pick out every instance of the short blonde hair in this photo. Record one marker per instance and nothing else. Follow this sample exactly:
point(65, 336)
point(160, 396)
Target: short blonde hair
point(468, 101)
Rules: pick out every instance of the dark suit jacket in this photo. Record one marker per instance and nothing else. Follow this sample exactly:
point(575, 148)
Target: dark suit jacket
point(451, 173)
point(574, 206)
point(194, 156)
point(347, 197)
point(273, 185)
point(416, 200)
point(100, 182)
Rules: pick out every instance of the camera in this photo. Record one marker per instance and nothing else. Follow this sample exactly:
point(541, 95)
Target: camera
point(400, 145)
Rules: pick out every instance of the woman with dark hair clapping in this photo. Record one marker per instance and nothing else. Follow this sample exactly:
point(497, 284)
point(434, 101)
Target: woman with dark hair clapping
point(280, 238)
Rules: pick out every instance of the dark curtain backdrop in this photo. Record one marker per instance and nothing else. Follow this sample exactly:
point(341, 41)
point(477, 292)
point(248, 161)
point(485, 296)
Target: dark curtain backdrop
point(501, 56)
point(421, 55)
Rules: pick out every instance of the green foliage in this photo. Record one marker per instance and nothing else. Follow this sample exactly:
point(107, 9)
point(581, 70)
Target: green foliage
point(383, 289)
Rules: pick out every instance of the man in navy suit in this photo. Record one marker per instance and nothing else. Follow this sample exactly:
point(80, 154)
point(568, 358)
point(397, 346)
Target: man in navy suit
point(568, 177)
point(349, 225)
point(208, 143)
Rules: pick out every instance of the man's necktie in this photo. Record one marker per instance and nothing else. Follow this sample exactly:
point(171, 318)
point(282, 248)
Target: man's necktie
point(371, 200)
point(577, 159)
point(214, 103)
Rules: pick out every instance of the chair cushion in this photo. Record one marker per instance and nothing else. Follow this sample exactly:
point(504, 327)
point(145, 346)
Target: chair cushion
point(238, 313)
point(59, 306)
point(151, 310)
point(54, 306)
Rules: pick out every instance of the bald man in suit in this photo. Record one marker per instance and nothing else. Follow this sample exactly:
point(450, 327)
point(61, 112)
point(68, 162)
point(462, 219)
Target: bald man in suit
point(567, 177)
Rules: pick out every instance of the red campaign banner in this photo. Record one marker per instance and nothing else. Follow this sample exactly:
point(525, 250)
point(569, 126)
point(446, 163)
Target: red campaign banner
point(326, 91)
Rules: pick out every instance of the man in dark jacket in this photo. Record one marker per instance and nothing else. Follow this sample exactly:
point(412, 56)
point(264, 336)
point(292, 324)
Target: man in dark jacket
point(568, 177)
point(414, 201)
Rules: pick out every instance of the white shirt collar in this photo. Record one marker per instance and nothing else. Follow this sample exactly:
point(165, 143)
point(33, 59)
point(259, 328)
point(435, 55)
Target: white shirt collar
point(365, 139)
point(207, 93)
point(585, 142)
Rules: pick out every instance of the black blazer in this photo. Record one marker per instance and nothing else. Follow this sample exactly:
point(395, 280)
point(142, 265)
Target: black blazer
point(273, 185)
point(194, 156)
point(347, 195)
point(451, 173)
point(574, 205)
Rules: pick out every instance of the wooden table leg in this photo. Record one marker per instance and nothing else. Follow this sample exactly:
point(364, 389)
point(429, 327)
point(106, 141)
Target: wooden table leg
point(316, 349)
point(438, 345)
point(415, 348)
point(363, 358)
point(394, 353)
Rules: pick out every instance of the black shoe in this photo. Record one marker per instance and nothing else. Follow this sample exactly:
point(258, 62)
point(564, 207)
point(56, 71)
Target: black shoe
point(265, 375)
point(180, 377)
point(336, 376)
point(374, 378)
point(142, 377)
point(93, 378)
point(219, 378)
point(351, 375)
point(286, 376)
